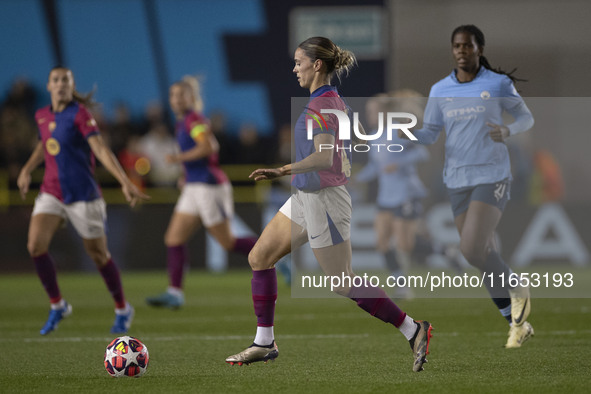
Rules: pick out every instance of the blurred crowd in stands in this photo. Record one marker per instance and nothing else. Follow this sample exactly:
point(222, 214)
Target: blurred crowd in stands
point(140, 143)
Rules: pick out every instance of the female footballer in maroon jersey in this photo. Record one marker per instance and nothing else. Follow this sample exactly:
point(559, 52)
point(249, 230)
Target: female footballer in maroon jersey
point(319, 211)
point(69, 141)
point(206, 196)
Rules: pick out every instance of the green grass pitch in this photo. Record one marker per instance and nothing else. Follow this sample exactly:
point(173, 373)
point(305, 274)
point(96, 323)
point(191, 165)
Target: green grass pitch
point(325, 345)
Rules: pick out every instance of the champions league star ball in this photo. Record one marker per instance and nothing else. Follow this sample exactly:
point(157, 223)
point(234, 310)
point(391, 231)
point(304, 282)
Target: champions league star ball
point(126, 356)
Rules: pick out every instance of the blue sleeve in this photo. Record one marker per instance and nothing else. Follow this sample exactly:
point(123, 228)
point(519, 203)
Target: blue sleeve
point(432, 120)
point(509, 96)
point(412, 154)
point(508, 89)
point(524, 120)
point(513, 103)
point(428, 134)
point(433, 114)
point(368, 173)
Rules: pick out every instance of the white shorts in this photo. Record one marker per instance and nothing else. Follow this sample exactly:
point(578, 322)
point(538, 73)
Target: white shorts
point(325, 214)
point(88, 217)
point(212, 203)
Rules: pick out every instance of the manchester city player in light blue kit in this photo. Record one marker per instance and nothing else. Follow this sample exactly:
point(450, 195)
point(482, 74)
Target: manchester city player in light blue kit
point(469, 104)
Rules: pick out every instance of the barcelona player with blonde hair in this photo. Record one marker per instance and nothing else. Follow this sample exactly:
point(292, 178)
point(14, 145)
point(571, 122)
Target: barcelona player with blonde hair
point(206, 197)
point(318, 211)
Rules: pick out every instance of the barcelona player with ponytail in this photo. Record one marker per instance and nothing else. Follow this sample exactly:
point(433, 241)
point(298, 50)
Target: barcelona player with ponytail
point(318, 211)
point(69, 141)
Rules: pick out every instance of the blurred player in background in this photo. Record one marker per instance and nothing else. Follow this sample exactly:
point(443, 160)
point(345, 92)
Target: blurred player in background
point(69, 142)
point(319, 211)
point(469, 104)
point(399, 188)
point(206, 196)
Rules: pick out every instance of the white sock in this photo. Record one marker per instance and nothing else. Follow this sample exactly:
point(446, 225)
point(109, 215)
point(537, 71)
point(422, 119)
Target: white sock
point(175, 291)
point(59, 305)
point(264, 336)
point(408, 327)
point(123, 311)
point(506, 311)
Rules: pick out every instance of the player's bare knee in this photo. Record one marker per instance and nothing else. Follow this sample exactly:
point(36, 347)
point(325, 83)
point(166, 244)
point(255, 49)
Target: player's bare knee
point(100, 259)
point(98, 255)
point(473, 253)
point(383, 245)
point(405, 246)
point(253, 261)
point(36, 249)
point(259, 261)
point(169, 241)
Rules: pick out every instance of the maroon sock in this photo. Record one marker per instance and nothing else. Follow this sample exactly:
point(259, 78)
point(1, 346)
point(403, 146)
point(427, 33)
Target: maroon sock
point(176, 261)
point(244, 245)
point(46, 272)
point(376, 302)
point(264, 295)
point(110, 274)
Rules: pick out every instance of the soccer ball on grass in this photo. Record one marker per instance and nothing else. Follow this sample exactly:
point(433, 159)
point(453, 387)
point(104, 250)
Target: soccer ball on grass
point(126, 356)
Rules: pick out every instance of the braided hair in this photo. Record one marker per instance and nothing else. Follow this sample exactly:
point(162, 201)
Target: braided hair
point(479, 37)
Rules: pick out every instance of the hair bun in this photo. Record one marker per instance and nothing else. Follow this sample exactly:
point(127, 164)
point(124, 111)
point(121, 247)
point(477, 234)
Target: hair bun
point(344, 60)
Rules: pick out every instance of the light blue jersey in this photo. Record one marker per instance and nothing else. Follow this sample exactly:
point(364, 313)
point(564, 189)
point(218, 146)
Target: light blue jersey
point(401, 185)
point(464, 109)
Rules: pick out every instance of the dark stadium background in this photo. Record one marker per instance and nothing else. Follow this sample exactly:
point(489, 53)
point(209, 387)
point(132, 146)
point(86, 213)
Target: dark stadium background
point(131, 51)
